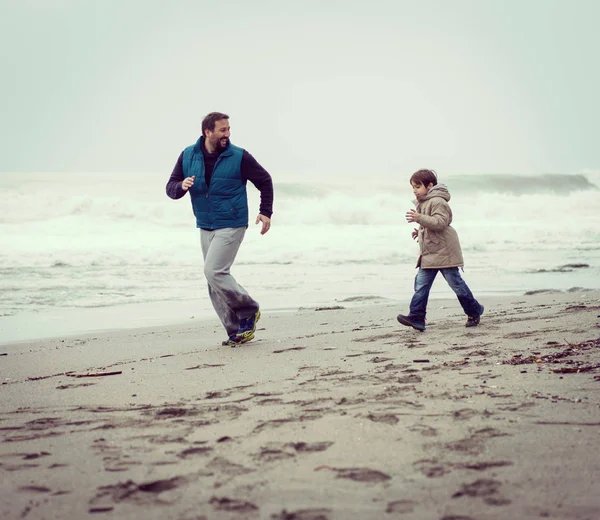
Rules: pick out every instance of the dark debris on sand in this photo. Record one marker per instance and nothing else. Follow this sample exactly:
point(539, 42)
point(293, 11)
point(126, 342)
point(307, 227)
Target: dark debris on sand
point(572, 350)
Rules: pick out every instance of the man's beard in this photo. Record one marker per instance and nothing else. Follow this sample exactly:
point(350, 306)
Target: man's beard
point(220, 146)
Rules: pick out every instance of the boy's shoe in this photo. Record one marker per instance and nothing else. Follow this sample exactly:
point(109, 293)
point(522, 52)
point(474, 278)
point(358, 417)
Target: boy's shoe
point(473, 321)
point(248, 325)
point(235, 340)
point(409, 322)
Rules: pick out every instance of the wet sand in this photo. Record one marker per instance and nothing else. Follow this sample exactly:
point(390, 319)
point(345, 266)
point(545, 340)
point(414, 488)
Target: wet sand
point(327, 414)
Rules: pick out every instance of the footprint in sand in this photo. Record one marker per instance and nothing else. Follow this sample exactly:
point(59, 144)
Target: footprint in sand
point(306, 447)
point(269, 401)
point(487, 489)
point(431, 468)
point(158, 486)
point(369, 339)
point(409, 379)
point(192, 452)
point(231, 504)
point(276, 423)
point(65, 387)
point(514, 407)
point(362, 474)
point(358, 474)
point(278, 451)
point(464, 414)
point(226, 467)
point(425, 431)
point(274, 453)
point(31, 456)
point(401, 506)
point(217, 395)
point(203, 366)
point(35, 489)
point(287, 349)
point(519, 335)
point(168, 413)
point(378, 359)
point(482, 466)
point(474, 444)
point(386, 418)
point(302, 514)
point(129, 491)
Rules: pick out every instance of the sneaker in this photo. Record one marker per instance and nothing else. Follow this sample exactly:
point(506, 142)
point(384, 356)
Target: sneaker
point(228, 341)
point(248, 325)
point(235, 340)
point(406, 320)
point(473, 321)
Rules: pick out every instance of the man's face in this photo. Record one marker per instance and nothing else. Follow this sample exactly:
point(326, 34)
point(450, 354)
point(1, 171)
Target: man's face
point(218, 138)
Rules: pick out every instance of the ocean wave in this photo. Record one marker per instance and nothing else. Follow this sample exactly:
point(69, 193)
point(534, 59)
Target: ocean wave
point(77, 209)
point(362, 299)
point(556, 184)
point(512, 184)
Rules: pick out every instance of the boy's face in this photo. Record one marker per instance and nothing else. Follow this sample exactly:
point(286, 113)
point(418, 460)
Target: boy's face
point(420, 190)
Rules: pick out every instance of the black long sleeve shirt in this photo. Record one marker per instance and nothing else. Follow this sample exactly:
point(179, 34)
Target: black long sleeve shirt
point(250, 170)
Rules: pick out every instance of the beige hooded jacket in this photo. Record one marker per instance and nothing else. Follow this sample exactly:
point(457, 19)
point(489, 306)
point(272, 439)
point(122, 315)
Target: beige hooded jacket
point(438, 240)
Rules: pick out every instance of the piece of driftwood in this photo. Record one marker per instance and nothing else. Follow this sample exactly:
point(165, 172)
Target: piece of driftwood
point(570, 423)
point(96, 374)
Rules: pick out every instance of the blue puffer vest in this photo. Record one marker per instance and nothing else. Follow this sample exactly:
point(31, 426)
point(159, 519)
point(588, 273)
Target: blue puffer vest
point(224, 203)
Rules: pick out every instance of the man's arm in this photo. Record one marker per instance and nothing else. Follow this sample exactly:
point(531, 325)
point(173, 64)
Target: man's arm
point(174, 187)
point(257, 175)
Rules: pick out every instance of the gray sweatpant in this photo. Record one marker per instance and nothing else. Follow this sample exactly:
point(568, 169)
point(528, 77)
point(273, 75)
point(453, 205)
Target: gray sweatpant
point(230, 299)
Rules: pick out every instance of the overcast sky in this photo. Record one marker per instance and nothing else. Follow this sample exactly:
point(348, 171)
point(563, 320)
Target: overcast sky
point(313, 87)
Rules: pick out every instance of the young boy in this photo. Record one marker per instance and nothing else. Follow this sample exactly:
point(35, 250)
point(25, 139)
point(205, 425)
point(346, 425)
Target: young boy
point(439, 250)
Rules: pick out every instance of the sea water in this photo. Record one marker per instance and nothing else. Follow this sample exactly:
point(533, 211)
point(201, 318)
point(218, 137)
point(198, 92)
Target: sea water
point(83, 252)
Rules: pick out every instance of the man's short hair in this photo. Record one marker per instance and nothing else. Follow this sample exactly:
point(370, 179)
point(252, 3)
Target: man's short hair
point(208, 123)
point(424, 177)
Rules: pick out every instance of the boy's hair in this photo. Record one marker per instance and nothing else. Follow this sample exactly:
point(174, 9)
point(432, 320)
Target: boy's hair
point(424, 177)
point(208, 123)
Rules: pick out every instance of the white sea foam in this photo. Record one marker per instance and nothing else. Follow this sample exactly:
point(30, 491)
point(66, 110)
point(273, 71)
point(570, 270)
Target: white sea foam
point(75, 241)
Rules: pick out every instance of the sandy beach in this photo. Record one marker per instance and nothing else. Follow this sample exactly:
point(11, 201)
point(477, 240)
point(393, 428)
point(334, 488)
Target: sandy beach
point(337, 413)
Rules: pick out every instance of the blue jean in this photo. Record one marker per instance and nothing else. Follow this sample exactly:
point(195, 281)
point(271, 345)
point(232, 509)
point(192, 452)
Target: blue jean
point(424, 281)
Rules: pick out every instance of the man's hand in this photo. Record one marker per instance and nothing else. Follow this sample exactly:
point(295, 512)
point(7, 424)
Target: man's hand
point(266, 223)
point(415, 233)
point(412, 216)
point(187, 182)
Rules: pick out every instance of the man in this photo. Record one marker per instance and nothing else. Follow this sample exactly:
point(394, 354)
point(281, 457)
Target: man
point(215, 172)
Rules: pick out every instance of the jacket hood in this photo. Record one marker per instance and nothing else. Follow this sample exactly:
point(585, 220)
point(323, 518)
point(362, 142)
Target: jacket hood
point(439, 190)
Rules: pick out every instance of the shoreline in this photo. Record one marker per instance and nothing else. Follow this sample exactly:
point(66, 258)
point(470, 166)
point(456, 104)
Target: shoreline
point(73, 321)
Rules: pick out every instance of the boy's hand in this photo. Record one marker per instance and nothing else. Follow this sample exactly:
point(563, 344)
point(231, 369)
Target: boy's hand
point(412, 216)
point(415, 234)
